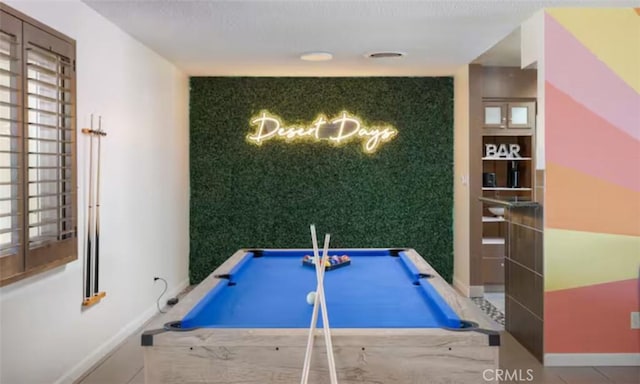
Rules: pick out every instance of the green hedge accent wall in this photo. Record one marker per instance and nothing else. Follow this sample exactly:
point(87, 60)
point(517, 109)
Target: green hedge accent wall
point(243, 195)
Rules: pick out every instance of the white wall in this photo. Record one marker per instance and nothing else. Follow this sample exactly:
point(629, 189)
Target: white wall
point(532, 54)
point(531, 40)
point(461, 215)
point(45, 336)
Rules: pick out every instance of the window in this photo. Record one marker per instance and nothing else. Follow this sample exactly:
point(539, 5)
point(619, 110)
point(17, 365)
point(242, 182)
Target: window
point(38, 208)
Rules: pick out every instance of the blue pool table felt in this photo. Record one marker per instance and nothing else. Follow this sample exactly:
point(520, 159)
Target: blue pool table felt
point(376, 291)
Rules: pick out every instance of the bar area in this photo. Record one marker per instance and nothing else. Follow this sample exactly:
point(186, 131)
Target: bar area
point(523, 267)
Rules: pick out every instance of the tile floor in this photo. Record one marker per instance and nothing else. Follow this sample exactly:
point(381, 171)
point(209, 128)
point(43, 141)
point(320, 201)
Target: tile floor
point(496, 299)
point(124, 366)
point(490, 310)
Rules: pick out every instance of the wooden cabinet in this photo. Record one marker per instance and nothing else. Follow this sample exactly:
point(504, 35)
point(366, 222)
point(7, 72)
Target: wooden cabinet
point(493, 257)
point(508, 171)
point(507, 117)
point(521, 115)
point(494, 115)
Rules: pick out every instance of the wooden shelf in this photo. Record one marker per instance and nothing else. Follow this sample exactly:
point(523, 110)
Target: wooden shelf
point(507, 142)
point(507, 132)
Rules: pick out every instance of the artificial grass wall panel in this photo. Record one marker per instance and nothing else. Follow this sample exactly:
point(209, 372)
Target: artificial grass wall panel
point(243, 195)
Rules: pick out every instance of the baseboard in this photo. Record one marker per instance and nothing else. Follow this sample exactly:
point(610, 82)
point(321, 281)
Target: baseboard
point(468, 291)
point(493, 288)
point(476, 291)
point(461, 287)
point(103, 351)
point(591, 359)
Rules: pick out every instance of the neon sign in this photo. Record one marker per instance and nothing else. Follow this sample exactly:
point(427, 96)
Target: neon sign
point(341, 129)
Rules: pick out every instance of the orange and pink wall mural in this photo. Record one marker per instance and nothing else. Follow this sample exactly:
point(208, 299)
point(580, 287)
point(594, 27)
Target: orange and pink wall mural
point(592, 196)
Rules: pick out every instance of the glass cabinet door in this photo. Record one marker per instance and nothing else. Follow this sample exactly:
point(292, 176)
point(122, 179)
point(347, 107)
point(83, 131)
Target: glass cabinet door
point(495, 115)
point(521, 115)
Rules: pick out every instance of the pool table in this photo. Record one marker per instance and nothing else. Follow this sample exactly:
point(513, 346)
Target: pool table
point(393, 320)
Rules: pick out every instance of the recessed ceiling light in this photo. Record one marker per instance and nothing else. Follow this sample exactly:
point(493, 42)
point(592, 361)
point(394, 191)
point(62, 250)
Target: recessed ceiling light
point(384, 55)
point(316, 56)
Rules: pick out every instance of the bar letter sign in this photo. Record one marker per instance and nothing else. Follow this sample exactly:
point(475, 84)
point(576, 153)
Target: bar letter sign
point(341, 129)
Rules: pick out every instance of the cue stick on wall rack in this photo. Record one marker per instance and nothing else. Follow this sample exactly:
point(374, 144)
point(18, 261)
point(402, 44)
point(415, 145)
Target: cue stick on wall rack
point(93, 221)
point(97, 224)
point(89, 270)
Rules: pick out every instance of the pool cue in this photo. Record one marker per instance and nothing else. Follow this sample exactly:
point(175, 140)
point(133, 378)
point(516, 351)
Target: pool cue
point(316, 306)
point(87, 292)
point(319, 302)
point(97, 223)
point(320, 271)
point(314, 315)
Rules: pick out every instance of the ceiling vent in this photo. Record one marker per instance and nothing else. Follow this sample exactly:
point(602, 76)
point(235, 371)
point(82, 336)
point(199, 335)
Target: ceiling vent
point(384, 55)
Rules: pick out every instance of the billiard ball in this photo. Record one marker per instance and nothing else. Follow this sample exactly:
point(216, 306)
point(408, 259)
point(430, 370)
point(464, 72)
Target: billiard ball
point(311, 297)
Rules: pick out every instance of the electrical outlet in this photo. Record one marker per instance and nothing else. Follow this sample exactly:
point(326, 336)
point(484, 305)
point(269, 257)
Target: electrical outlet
point(635, 320)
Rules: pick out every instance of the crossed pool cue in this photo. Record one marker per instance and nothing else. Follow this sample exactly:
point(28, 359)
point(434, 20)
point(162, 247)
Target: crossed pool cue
point(319, 302)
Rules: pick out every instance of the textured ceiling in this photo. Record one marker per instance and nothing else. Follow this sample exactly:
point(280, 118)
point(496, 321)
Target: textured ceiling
point(266, 38)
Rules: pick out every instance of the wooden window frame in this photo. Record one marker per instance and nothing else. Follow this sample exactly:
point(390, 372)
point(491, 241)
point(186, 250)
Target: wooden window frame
point(31, 260)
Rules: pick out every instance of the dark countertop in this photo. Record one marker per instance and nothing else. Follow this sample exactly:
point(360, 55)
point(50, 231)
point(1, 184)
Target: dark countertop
point(510, 202)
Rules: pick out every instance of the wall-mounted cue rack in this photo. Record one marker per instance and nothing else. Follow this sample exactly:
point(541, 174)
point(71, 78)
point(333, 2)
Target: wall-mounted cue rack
point(92, 294)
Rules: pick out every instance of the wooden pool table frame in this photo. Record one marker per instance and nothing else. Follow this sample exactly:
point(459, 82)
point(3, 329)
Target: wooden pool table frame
point(362, 355)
